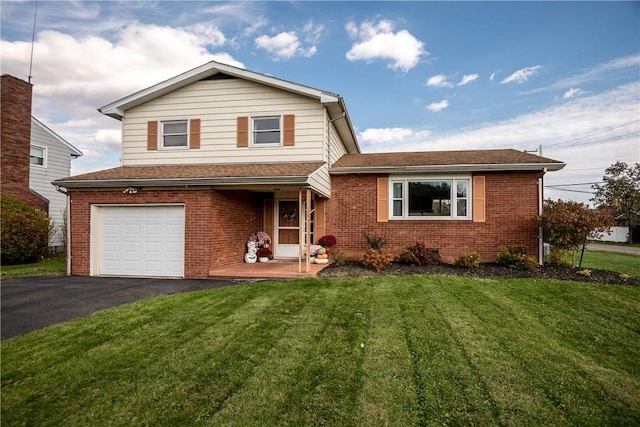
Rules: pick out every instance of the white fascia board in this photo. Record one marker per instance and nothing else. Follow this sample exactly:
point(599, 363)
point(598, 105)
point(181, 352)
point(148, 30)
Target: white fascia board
point(448, 168)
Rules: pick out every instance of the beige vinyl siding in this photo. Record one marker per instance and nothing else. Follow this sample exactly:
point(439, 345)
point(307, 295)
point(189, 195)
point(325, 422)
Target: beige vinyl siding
point(218, 103)
point(320, 181)
point(336, 146)
point(58, 165)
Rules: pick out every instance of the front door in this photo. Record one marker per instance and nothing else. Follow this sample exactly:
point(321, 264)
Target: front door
point(287, 229)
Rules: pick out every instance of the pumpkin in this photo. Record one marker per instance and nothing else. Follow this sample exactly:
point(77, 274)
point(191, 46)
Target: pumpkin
point(322, 261)
point(322, 251)
point(322, 256)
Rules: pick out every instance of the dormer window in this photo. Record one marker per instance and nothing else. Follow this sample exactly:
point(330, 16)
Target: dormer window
point(266, 130)
point(175, 134)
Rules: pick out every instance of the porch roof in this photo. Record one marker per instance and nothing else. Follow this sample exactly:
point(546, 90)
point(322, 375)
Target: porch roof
point(443, 161)
point(237, 174)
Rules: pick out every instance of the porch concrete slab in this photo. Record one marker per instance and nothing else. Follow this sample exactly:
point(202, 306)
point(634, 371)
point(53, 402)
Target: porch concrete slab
point(274, 269)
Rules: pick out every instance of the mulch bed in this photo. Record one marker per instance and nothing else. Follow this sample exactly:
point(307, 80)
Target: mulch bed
point(489, 271)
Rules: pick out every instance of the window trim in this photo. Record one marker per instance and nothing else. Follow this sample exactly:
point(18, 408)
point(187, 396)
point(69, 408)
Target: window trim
point(44, 156)
point(454, 199)
point(161, 135)
point(252, 130)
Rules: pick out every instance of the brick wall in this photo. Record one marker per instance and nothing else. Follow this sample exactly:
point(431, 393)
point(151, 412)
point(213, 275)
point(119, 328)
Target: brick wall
point(217, 224)
point(511, 206)
point(15, 140)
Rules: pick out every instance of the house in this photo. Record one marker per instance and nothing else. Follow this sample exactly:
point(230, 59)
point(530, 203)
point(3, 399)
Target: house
point(219, 152)
point(33, 156)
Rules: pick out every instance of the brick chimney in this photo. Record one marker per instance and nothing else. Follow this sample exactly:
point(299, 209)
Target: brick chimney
point(15, 141)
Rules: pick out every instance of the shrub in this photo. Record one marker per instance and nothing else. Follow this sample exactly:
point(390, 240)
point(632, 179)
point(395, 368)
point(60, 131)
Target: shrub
point(374, 242)
point(468, 260)
point(516, 257)
point(419, 254)
point(586, 272)
point(376, 259)
point(328, 240)
point(25, 232)
point(557, 258)
point(338, 258)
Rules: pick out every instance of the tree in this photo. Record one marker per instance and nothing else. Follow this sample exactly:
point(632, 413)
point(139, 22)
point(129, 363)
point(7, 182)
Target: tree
point(621, 192)
point(25, 232)
point(567, 225)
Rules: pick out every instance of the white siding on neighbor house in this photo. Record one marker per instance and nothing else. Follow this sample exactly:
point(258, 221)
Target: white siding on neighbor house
point(615, 234)
point(58, 165)
point(218, 103)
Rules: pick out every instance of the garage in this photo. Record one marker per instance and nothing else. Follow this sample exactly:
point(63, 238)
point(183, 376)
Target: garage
point(145, 240)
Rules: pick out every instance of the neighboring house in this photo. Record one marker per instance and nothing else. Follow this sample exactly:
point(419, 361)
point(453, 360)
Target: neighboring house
point(50, 159)
point(32, 155)
point(219, 152)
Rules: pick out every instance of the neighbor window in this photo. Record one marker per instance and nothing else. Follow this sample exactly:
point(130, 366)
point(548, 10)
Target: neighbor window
point(266, 130)
point(430, 198)
point(37, 156)
point(175, 134)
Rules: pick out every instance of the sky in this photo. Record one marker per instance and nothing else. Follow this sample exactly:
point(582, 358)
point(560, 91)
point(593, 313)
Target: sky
point(415, 76)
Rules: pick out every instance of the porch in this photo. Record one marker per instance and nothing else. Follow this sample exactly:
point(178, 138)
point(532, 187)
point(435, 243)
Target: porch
point(274, 269)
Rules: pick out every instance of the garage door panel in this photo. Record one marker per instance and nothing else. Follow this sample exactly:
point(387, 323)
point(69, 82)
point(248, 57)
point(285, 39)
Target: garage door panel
point(142, 241)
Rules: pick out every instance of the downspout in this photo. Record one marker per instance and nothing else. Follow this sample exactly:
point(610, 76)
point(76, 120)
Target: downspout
point(540, 204)
point(68, 229)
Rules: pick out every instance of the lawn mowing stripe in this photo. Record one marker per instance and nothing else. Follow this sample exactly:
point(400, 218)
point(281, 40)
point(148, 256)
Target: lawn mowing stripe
point(388, 395)
point(570, 383)
point(451, 391)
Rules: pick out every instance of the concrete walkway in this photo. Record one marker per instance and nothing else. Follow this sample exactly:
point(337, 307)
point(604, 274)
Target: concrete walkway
point(614, 248)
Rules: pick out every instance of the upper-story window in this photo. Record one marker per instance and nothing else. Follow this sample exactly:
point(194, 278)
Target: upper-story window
point(38, 156)
point(266, 130)
point(175, 134)
point(425, 198)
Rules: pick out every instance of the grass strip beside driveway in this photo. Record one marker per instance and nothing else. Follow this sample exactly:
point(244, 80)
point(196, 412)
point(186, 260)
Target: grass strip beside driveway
point(416, 350)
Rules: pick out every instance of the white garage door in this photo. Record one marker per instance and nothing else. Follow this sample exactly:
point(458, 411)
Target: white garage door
point(142, 241)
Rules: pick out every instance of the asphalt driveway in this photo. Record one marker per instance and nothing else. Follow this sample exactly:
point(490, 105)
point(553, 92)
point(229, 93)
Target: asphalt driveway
point(31, 303)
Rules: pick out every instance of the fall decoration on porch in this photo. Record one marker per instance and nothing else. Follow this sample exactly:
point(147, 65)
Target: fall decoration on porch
point(328, 241)
point(264, 254)
point(261, 239)
point(322, 258)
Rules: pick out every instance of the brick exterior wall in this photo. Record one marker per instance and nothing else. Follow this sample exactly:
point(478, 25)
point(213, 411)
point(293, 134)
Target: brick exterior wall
point(511, 207)
point(217, 224)
point(15, 141)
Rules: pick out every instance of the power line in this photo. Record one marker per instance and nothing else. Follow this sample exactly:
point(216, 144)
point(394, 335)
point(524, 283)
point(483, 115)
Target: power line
point(592, 134)
point(571, 190)
point(576, 184)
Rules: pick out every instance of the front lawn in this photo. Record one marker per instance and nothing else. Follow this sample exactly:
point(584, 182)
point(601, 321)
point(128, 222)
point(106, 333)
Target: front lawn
point(614, 261)
point(414, 350)
point(50, 266)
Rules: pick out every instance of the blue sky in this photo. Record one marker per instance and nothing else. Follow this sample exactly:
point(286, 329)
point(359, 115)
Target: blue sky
point(415, 75)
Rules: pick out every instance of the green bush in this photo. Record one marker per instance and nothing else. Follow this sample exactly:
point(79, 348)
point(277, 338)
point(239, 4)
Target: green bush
point(376, 259)
point(419, 254)
point(25, 232)
point(516, 257)
point(468, 260)
point(557, 258)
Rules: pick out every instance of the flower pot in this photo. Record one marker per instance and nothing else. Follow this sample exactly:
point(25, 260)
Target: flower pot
point(263, 259)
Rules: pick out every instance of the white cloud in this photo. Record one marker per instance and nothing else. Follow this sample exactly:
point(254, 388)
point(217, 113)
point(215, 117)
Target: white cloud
point(492, 76)
point(379, 41)
point(572, 93)
point(384, 139)
point(284, 46)
point(468, 78)
point(439, 80)
point(522, 75)
point(437, 106)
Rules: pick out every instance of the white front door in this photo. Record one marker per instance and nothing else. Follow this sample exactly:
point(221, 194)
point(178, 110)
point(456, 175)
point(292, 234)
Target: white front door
point(287, 236)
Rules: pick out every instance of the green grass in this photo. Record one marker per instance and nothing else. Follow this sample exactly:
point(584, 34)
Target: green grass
point(415, 350)
point(51, 266)
point(613, 261)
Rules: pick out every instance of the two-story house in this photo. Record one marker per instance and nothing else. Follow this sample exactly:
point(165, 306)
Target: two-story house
point(219, 152)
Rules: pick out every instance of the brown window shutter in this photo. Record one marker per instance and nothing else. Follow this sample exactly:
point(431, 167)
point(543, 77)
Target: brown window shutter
point(152, 135)
point(383, 200)
point(478, 199)
point(319, 220)
point(243, 131)
point(289, 127)
point(269, 221)
point(194, 133)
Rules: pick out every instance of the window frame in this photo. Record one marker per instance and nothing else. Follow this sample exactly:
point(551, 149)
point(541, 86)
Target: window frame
point(253, 131)
point(404, 197)
point(44, 156)
point(187, 133)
